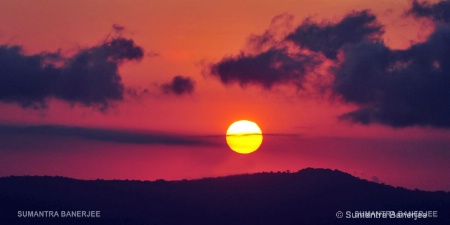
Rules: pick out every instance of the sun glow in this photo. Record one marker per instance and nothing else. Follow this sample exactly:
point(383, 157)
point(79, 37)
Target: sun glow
point(244, 136)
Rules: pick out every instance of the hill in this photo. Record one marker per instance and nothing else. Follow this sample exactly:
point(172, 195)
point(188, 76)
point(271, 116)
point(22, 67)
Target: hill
point(309, 196)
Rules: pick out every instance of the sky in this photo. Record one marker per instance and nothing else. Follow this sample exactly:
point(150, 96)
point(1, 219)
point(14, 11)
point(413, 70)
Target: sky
point(147, 89)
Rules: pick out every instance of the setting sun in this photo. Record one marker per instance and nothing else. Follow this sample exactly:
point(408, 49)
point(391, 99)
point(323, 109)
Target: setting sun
point(244, 136)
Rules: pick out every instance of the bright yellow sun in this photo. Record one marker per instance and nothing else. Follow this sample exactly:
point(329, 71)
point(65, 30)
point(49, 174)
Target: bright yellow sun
point(244, 136)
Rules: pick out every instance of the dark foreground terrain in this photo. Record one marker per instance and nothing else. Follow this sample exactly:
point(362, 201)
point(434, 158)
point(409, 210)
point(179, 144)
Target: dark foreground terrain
point(310, 197)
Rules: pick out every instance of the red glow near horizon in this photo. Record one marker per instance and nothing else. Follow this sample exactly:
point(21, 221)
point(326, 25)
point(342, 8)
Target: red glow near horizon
point(382, 161)
point(182, 38)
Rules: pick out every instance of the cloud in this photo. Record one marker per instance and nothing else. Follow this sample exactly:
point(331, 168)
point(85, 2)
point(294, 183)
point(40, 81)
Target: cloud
point(179, 85)
point(362, 72)
point(107, 135)
point(269, 68)
point(279, 27)
point(400, 88)
point(328, 38)
point(90, 77)
point(439, 12)
point(397, 88)
point(279, 63)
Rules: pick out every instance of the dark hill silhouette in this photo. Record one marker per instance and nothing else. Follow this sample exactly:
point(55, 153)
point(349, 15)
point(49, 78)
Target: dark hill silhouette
point(307, 197)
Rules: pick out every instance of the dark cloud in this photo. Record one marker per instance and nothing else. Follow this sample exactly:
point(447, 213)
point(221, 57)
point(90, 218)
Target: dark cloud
point(439, 12)
point(90, 77)
point(108, 135)
point(275, 66)
point(397, 88)
point(362, 73)
point(179, 85)
point(25, 79)
point(328, 38)
point(277, 63)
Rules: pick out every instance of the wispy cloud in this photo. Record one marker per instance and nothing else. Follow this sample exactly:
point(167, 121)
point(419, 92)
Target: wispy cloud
point(107, 135)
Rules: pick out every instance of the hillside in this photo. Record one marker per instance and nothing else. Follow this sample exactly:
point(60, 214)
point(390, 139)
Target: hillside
point(309, 196)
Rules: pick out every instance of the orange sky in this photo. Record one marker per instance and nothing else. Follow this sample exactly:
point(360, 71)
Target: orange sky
point(187, 35)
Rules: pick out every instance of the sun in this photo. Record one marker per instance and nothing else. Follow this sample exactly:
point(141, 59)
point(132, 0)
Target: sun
point(244, 136)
